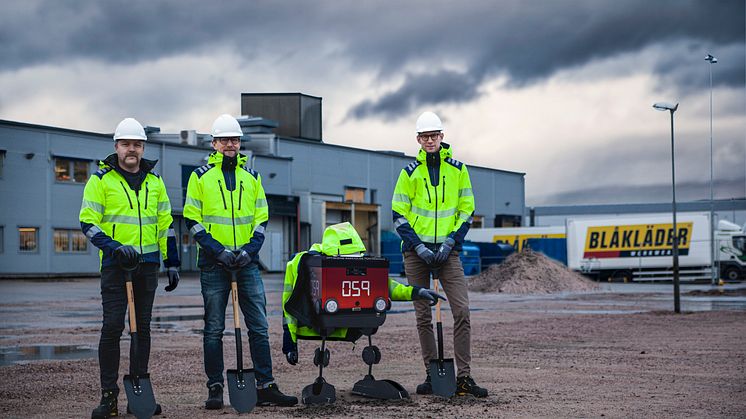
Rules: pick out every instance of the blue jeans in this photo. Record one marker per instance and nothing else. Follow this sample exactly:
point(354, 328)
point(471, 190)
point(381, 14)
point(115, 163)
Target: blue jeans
point(216, 288)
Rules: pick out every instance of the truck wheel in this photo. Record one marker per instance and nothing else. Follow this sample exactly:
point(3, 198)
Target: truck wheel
point(731, 273)
point(621, 276)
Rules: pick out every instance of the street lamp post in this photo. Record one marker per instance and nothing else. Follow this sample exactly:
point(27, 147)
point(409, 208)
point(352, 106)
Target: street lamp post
point(662, 106)
point(715, 271)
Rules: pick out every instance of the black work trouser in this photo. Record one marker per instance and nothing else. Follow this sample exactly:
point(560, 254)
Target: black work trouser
point(114, 302)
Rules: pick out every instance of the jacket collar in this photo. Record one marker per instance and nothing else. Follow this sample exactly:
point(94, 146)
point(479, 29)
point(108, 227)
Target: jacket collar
point(216, 158)
point(445, 151)
point(112, 161)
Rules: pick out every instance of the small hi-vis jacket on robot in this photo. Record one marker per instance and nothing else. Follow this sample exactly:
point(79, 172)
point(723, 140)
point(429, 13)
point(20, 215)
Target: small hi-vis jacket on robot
point(334, 292)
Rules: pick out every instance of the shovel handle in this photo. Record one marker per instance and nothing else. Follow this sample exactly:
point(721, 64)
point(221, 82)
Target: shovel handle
point(236, 322)
point(437, 305)
point(131, 303)
point(234, 299)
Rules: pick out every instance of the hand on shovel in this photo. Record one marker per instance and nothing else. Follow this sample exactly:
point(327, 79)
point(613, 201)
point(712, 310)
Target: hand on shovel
point(226, 258)
point(428, 294)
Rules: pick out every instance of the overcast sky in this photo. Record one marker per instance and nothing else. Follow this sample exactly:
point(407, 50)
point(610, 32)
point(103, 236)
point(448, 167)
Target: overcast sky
point(560, 90)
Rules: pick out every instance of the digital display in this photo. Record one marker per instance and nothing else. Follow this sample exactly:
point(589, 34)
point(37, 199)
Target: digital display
point(355, 288)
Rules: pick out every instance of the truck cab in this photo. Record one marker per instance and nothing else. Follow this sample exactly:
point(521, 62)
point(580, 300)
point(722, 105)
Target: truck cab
point(731, 242)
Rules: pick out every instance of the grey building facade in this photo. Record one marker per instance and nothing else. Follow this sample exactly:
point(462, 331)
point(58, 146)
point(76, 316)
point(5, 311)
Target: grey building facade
point(309, 184)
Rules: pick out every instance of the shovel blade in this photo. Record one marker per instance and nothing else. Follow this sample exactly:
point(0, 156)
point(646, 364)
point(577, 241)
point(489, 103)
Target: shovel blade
point(140, 398)
point(242, 390)
point(443, 377)
point(320, 392)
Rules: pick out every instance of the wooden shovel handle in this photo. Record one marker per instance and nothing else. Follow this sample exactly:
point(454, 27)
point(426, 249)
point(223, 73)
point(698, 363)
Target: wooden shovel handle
point(234, 299)
point(131, 305)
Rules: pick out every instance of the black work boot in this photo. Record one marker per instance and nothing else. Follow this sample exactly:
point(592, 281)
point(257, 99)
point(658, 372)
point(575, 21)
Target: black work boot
point(157, 412)
point(426, 387)
point(108, 406)
point(272, 396)
point(466, 385)
point(214, 397)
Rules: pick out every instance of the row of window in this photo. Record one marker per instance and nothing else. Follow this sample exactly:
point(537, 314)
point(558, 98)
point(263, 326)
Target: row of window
point(65, 240)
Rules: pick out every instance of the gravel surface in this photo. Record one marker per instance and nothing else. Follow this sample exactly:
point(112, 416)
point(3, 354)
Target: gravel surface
point(536, 357)
point(529, 272)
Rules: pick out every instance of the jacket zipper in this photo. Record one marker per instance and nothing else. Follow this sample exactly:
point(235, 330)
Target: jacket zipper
point(435, 188)
point(443, 198)
point(128, 195)
point(146, 195)
point(139, 218)
point(240, 195)
point(429, 200)
point(220, 185)
point(113, 231)
point(233, 220)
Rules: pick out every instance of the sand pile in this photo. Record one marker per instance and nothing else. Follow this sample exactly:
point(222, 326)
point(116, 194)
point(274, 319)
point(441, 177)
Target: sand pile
point(529, 272)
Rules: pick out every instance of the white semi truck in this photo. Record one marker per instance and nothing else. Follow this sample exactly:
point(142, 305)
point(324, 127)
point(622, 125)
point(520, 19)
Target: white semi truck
point(641, 247)
point(627, 248)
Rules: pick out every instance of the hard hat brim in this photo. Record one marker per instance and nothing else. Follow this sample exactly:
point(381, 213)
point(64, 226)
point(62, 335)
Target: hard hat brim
point(228, 135)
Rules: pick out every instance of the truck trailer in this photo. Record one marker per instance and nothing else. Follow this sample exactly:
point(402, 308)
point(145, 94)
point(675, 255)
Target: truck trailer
point(640, 248)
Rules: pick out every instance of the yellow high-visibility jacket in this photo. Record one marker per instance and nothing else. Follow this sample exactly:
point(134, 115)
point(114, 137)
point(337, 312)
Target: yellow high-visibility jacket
point(225, 207)
point(113, 214)
point(433, 200)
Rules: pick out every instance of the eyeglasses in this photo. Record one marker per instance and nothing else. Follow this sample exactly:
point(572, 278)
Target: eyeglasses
point(429, 137)
point(225, 141)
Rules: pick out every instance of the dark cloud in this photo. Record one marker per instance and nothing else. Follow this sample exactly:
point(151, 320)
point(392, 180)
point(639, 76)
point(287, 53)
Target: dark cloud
point(526, 41)
point(429, 88)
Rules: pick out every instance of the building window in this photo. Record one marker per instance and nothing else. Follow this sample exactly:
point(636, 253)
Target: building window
point(69, 240)
point(70, 170)
point(354, 194)
point(2, 239)
point(28, 239)
point(2, 162)
point(478, 221)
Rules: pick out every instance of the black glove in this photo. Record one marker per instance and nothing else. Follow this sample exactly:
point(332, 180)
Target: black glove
point(173, 278)
point(127, 256)
point(289, 348)
point(445, 249)
point(427, 294)
point(226, 258)
point(425, 254)
point(292, 357)
point(243, 259)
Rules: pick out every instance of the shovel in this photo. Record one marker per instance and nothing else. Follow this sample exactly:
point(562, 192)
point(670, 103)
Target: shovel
point(140, 398)
point(441, 370)
point(241, 382)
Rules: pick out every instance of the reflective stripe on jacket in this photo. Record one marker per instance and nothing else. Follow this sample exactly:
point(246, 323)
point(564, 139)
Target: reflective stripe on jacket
point(113, 214)
point(225, 210)
point(429, 214)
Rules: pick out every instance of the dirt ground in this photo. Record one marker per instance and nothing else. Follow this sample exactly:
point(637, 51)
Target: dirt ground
point(539, 357)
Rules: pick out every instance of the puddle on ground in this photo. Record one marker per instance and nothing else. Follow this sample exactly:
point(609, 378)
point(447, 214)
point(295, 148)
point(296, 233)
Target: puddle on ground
point(21, 354)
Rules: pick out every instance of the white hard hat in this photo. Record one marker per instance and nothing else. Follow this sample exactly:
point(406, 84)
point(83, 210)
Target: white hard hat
point(226, 126)
point(130, 129)
point(428, 121)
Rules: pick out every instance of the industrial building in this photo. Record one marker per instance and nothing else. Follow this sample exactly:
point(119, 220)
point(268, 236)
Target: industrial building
point(310, 184)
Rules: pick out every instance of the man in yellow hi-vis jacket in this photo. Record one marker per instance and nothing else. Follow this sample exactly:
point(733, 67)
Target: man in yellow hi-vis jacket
point(127, 215)
point(433, 205)
point(226, 212)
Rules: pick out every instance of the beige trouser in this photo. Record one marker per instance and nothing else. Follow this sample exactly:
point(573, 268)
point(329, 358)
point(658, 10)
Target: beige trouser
point(453, 283)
